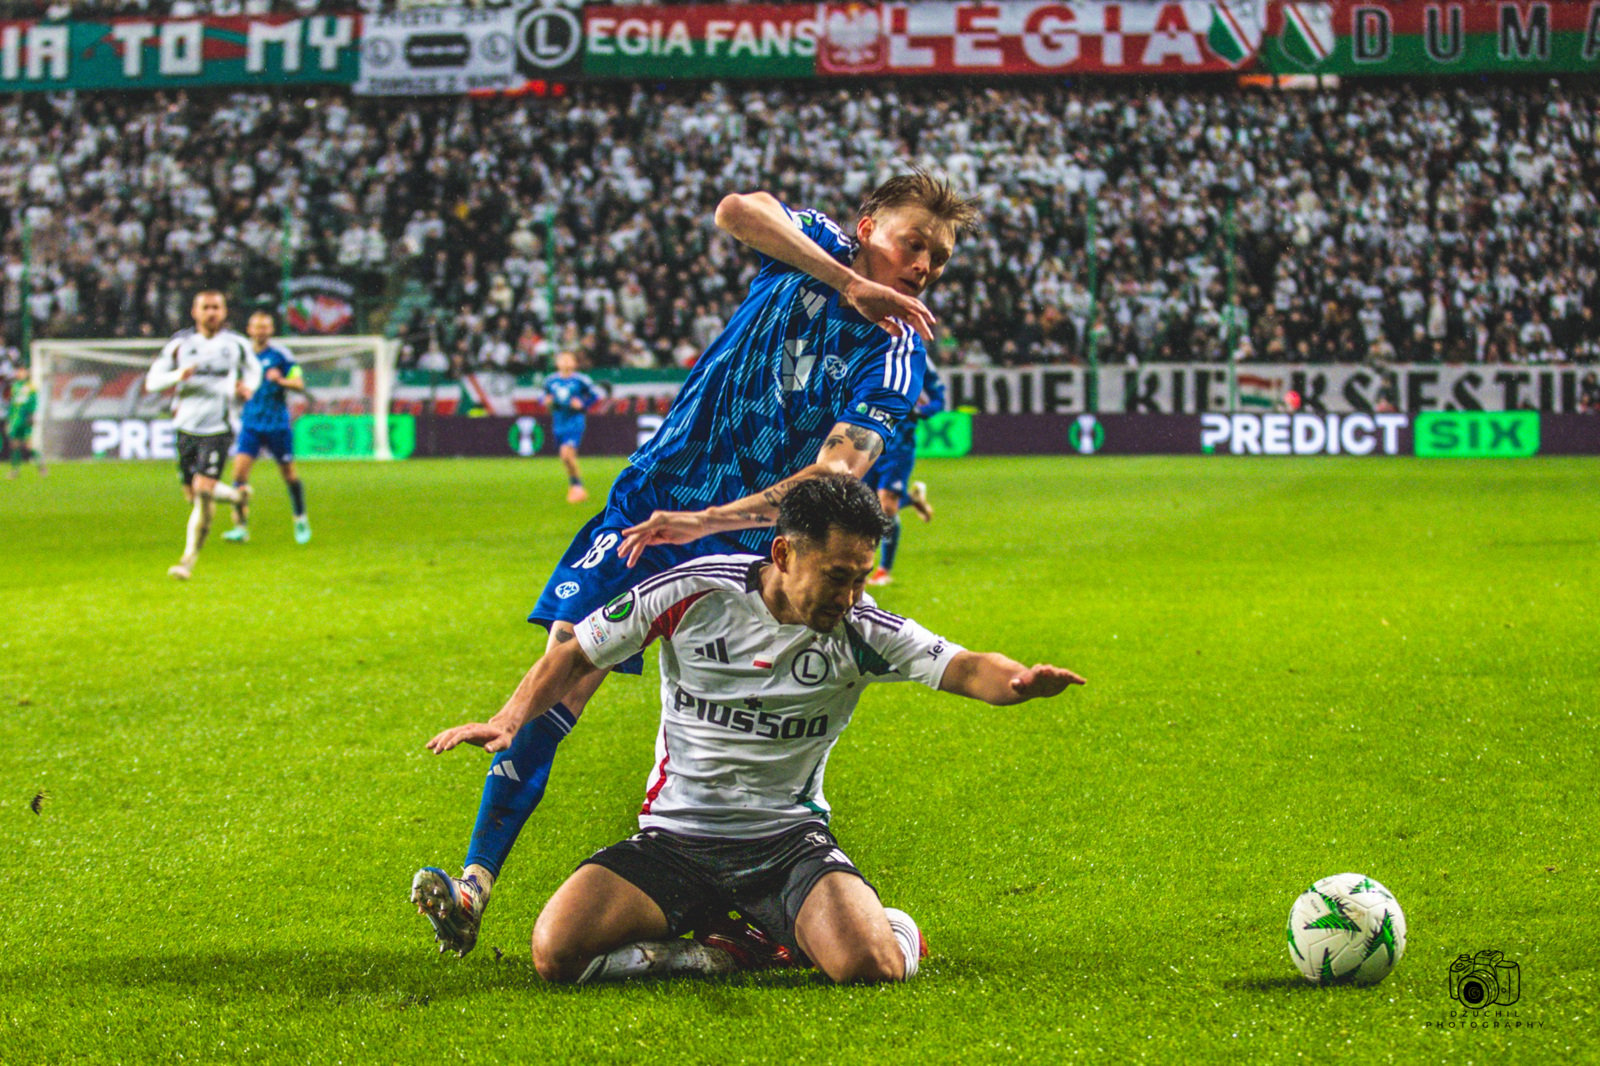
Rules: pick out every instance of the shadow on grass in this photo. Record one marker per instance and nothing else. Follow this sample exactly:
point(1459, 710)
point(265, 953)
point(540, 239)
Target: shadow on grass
point(393, 978)
point(399, 978)
point(1280, 984)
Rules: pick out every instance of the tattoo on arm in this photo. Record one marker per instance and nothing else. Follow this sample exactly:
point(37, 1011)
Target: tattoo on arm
point(564, 635)
point(865, 440)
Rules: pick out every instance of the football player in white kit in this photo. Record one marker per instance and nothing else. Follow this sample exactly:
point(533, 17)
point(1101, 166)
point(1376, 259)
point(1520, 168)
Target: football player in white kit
point(762, 662)
point(215, 371)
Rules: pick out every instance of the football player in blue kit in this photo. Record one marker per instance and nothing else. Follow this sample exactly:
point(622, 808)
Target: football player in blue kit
point(266, 425)
point(891, 475)
point(569, 394)
point(815, 370)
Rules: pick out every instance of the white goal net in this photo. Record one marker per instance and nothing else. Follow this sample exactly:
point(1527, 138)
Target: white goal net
point(92, 401)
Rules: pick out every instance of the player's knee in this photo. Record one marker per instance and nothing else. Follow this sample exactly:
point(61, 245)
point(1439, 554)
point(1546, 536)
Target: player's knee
point(556, 957)
point(869, 963)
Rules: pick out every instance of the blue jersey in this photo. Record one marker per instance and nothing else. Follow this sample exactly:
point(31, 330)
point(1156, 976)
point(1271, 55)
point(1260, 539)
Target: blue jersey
point(268, 409)
point(559, 393)
point(893, 468)
point(793, 361)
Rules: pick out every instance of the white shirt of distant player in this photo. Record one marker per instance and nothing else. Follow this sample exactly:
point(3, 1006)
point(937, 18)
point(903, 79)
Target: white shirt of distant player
point(206, 403)
point(750, 708)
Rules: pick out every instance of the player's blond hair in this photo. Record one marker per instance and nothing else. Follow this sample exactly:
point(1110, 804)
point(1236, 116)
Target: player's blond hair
point(922, 189)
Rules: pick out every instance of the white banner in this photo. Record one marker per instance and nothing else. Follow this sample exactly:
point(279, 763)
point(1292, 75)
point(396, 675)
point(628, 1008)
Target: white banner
point(1195, 388)
point(430, 51)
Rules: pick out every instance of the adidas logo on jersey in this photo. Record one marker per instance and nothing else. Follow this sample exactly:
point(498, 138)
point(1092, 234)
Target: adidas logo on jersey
point(716, 650)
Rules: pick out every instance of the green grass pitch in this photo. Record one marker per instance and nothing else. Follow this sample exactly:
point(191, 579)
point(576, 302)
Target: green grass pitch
point(1297, 668)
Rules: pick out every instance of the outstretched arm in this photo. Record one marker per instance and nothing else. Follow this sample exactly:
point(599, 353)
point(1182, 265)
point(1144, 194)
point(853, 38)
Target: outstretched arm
point(164, 372)
point(849, 449)
point(759, 220)
point(994, 678)
point(539, 690)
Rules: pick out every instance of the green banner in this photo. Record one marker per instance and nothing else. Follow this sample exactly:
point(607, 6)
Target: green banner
point(350, 436)
point(178, 53)
point(700, 41)
point(945, 436)
point(1351, 37)
point(1477, 434)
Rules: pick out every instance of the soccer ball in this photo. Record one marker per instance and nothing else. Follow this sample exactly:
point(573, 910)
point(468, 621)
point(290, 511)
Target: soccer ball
point(1346, 929)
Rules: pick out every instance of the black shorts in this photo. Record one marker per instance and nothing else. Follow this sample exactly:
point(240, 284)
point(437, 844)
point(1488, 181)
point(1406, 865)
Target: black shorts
point(204, 456)
point(765, 879)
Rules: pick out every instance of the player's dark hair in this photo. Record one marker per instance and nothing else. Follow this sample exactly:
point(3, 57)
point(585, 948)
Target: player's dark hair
point(818, 505)
point(921, 189)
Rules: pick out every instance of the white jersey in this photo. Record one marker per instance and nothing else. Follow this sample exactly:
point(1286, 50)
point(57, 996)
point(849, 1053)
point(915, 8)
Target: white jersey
point(206, 402)
point(750, 708)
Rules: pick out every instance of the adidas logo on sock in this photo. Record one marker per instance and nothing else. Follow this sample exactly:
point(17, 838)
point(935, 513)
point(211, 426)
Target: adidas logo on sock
point(716, 650)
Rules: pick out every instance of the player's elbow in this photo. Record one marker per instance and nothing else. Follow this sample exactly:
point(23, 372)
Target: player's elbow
point(839, 464)
point(738, 212)
point(732, 211)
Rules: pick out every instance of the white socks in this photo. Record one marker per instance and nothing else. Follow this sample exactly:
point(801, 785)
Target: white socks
point(908, 936)
point(484, 878)
point(659, 958)
point(199, 525)
point(226, 492)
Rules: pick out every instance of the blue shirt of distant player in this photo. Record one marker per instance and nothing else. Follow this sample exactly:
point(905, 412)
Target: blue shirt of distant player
point(793, 361)
point(559, 393)
point(268, 410)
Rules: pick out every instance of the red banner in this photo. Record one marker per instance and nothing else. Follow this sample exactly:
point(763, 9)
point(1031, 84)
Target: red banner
point(1037, 37)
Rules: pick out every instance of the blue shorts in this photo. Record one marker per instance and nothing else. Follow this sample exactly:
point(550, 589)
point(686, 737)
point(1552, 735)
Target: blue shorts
point(591, 573)
point(568, 429)
point(280, 442)
point(892, 471)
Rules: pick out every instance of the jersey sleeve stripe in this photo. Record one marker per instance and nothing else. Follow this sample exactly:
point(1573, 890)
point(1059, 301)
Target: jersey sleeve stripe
point(889, 621)
point(680, 573)
point(666, 622)
point(691, 569)
point(897, 362)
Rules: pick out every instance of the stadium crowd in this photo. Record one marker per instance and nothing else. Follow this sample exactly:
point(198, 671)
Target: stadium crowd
point(1378, 222)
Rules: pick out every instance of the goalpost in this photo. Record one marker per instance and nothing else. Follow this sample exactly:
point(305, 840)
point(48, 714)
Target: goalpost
point(92, 401)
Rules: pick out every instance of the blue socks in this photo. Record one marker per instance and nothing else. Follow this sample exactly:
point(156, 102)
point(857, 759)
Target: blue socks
point(891, 544)
point(515, 786)
point(297, 496)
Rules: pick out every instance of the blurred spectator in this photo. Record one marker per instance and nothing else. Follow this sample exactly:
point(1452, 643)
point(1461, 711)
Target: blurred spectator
point(1382, 222)
point(1589, 397)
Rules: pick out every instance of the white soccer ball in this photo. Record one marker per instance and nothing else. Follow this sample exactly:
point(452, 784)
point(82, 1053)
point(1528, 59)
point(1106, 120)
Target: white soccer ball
point(1346, 929)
